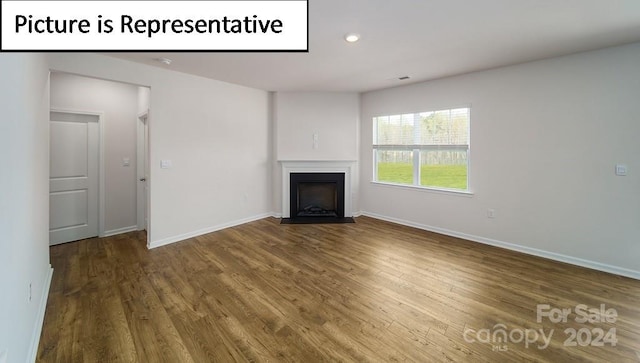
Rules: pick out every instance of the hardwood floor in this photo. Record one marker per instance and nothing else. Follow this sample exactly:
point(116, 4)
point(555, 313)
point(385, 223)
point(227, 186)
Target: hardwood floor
point(369, 291)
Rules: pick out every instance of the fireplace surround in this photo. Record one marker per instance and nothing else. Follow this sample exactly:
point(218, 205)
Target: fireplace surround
point(347, 168)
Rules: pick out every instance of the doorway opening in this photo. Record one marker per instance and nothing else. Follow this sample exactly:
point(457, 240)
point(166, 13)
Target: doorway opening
point(122, 143)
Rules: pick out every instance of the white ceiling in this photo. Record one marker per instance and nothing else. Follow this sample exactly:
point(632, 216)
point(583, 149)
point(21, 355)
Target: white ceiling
point(424, 39)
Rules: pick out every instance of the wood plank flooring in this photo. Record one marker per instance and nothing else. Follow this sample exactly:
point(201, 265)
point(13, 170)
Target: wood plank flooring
point(366, 292)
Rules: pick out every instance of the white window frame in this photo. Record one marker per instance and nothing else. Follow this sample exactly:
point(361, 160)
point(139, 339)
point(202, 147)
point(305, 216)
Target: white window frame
point(416, 148)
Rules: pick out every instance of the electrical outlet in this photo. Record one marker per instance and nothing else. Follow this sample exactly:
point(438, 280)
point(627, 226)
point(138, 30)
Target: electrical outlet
point(29, 292)
point(491, 213)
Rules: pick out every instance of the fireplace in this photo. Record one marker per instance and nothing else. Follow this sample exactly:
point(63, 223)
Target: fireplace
point(321, 177)
point(317, 195)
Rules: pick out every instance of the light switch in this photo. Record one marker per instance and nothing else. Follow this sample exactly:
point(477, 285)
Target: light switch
point(621, 170)
point(165, 164)
point(126, 162)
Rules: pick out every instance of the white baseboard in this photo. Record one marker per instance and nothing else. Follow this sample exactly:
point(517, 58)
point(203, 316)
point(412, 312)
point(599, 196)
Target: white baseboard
point(114, 232)
point(514, 247)
point(42, 307)
point(181, 237)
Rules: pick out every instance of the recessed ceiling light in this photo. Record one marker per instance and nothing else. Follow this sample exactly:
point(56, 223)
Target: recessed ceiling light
point(352, 37)
point(166, 61)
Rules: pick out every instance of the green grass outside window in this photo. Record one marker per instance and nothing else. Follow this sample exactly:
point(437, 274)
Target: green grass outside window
point(437, 176)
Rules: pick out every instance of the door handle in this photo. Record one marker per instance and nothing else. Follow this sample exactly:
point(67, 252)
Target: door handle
point(143, 179)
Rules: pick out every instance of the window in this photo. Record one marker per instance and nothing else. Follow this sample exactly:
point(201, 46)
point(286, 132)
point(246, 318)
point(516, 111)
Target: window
point(426, 149)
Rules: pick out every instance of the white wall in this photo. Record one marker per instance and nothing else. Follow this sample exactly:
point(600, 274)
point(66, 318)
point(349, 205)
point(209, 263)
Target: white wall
point(217, 136)
point(332, 116)
point(144, 97)
point(297, 116)
point(119, 103)
point(545, 137)
point(24, 203)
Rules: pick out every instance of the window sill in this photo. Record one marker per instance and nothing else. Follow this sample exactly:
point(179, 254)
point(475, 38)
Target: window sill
point(461, 193)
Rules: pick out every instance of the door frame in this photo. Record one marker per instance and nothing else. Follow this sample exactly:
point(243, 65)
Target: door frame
point(101, 196)
point(142, 154)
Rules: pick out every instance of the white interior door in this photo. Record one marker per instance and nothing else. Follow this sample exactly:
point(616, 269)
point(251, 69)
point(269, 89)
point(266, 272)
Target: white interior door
point(73, 177)
point(143, 171)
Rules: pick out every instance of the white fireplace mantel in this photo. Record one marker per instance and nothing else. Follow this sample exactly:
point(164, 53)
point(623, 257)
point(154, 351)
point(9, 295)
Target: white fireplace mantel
point(317, 166)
